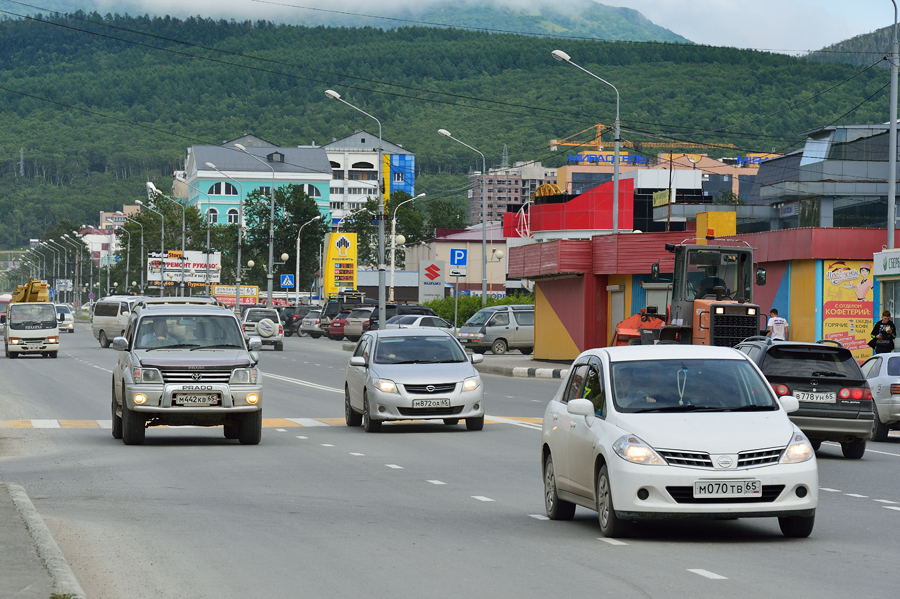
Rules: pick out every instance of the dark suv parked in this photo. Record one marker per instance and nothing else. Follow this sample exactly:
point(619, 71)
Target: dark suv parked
point(291, 317)
point(835, 400)
point(391, 310)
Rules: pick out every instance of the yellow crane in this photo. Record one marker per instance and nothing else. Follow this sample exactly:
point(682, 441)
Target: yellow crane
point(639, 145)
point(33, 291)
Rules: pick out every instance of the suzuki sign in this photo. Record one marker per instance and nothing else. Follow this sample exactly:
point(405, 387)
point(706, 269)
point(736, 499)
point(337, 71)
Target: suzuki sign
point(431, 280)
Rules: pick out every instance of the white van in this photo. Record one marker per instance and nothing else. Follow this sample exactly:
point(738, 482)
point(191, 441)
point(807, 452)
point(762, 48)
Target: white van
point(31, 328)
point(110, 317)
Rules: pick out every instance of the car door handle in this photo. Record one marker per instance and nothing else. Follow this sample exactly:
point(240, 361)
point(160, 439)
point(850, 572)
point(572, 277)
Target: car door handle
point(555, 416)
point(572, 424)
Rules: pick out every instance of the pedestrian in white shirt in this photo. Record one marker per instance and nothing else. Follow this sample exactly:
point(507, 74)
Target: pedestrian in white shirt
point(777, 326)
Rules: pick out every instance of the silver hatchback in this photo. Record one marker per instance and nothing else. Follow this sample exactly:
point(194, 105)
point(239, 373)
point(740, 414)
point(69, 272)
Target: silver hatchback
point(412, 374)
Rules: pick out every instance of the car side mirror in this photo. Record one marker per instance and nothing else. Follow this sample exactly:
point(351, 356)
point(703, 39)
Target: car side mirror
point(760, 276)
point(477, 358)
point(582, 407)
point(119, 343)
point(59, 317)
point(654, 272)
point(357, 361)
point(790, 403)
point(254, 356)
point(255, 343)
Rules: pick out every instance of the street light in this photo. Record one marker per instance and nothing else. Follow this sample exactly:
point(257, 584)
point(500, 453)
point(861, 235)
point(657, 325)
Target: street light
point(162, 249)
point(271, 220)
point(128, 218)
point(152, 191)
point(892, 142)
point(65, 254)
point(563, 57)
point(127, 258)
point(237, 278)
point(55, 261)
point(446, 133)
point(395, 240)
point(75, 273)
point(381, 268)
point(297, 265)
point(182, 180)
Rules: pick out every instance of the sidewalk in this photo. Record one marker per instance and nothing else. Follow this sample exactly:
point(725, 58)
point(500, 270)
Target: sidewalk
point(513, 364)
point(31, 563)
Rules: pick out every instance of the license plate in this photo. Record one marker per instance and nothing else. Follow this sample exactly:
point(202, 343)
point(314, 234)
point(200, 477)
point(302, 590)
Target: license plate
point(727, 488)
point(816, 397)
point(431, 403)
point(196, 399)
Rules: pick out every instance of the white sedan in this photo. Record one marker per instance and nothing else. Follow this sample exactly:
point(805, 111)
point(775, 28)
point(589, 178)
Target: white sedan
point(664, 431)
point(413, 321)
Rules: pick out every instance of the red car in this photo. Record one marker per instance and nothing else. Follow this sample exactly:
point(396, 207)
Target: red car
point(336, 328)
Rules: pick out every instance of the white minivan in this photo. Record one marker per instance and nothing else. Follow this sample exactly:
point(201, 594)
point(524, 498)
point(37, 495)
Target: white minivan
point(31, 328)
point(110, 317)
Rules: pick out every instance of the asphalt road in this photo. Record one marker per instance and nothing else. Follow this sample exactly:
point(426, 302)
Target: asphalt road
point(321, 510)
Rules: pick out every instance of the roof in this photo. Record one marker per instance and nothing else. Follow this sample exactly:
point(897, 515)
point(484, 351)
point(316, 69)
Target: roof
point(296, 160)
point(473, 233)
point(363, 141)
point(667, 352)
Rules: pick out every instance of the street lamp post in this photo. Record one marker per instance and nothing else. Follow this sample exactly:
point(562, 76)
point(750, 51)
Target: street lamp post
point(75, 269)
point(151, 190)
point(394, 239)
point(55, 262)
point(563, 57)
point(197, 189)
point(446, 133)
point(127, 259)
point(297, 265)
point(237, 287)
point(162, 249)
point(143, 256)
point(37, 250)
point(271, 222)
point(65, 254)
point(381, 267)
point(892, 142)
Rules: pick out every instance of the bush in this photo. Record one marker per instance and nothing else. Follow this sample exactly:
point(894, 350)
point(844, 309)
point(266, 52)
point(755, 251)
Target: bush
point(470, 304)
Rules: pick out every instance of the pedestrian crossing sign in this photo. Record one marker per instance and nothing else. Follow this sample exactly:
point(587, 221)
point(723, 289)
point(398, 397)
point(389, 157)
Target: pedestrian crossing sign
point(287, 281)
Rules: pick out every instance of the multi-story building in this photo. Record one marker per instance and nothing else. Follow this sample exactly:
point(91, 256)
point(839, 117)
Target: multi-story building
point(354, 169)
point(507, 189)
point(115, 220)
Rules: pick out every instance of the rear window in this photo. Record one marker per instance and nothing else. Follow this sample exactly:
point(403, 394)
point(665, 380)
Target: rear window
point(62, 310)
point(524, 318)
point(812, 361)
point(360, 314)
point(894, 367)
point(257, 315)
point(405, 319)
point(106, 309)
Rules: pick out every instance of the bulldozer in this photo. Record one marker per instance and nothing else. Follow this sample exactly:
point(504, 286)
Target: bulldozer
point(711, 301)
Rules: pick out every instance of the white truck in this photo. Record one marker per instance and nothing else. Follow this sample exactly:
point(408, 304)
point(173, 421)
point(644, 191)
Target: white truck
point(31, 328)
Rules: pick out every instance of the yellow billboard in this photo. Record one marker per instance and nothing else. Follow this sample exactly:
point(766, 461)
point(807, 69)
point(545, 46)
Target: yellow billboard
point(847, 307)
point(340, 263)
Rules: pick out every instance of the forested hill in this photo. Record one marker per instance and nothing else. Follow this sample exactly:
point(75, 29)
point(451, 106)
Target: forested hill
point(102, 104)
point(861, 50)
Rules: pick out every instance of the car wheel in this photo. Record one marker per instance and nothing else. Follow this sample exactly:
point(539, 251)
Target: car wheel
point(133, 431)
point(479, 350)
point(250, 428)
point(288, 333)
point(499, 347)
point(104, 340)
point(279, 346)
point(11, 355)
point(232, 431)
point(880, 432)
point(116, 419)
point(52, 354)
point(451, 421)
point(610, 525)
point(351, 416)
point(527, 350)
point(557, 509)
point(371, 426)
point(853, 450)
point(816, 444)
point(797, 527)
point(475, 424)
point(353, 339)
point(315, 335)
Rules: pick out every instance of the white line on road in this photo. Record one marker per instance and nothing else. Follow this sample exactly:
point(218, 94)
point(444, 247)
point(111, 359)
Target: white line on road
point(104, 423)
point(829, 490)
point(299, 437)
point(502, 420)
point(307, 422)
point(538, 517)
point(856, 495)
point(481, 498)
point(394, 466)
point(302, 383)
point(884, 501)
point(357, 454)
point(611, 541)
point(45, 424)
point(436, 482)
point(326, 444)
point(891, 507)
point(707, 574)
point(896, 455)
point(281, 430)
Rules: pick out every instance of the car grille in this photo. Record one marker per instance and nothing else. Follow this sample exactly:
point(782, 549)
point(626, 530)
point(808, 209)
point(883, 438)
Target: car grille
point(196, 376)
point(686, 495)
point(435, 388)
point(761, 457)
point(430, 411)
point(730, 329)
point(687, 458)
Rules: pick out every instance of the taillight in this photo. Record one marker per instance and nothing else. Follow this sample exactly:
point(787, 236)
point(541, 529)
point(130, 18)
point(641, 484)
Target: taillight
point(280, 330)
point(317, 321)
point(895, 389)
point(781, 390)
point(844, 393)
point(858, 393)
point(244, 327)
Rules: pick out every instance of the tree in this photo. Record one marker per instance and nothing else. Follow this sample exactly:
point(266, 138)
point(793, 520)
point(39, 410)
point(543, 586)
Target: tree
point(444, 215)
point(728, 197)
point(410, 224)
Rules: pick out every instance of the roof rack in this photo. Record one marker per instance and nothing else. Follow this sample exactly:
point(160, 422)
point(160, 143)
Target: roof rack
point(765, 338)
point(824, 341)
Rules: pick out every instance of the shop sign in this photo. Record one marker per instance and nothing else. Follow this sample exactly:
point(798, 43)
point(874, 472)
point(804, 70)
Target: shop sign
point(847, 305)
point(887, 263)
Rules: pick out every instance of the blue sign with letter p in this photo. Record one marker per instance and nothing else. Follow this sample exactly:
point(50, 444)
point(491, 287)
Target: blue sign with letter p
point(458, 257)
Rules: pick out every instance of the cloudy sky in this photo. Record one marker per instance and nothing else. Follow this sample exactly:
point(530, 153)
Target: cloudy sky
point(781, 25)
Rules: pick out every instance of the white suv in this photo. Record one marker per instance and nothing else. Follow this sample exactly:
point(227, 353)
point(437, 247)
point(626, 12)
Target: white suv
point(266, 324)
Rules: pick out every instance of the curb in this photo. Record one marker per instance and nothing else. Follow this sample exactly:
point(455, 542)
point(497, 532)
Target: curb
point(64, 581)
point(522, 371)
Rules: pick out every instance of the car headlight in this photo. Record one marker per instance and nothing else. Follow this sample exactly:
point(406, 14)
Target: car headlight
point(244, 376)
point(52, 339)
point(470, 384)
point(799, 450)
point(385, 385)
point(147, 375)
point(632, 449)
point(15, 340)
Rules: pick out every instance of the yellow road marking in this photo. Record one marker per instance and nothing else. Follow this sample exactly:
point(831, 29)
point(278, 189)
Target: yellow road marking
point(78, 424)
point(16, 423)
point(278, 423)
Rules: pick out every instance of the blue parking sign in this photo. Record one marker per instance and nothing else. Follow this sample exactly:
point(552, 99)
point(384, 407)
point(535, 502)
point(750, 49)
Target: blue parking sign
point(458, 257)
point(287, 281)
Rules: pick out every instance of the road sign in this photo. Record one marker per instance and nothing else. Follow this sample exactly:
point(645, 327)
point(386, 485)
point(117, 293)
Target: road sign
point(287, 281)
point(458, 257)
point(457, 272)
point(90, 296)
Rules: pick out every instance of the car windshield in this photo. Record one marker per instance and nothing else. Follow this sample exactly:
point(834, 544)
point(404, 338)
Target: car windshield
point(424, 349)
point(810, 361)
point(257, 315)
point(26, 317)
point(188, 331)
point(479, 318)
point(689, 385)
point(62, 310)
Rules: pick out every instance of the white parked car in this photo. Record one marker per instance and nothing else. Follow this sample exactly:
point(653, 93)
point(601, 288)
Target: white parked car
point(413, 321)
point(65, 318)
point(664, 431)
point(266, 324)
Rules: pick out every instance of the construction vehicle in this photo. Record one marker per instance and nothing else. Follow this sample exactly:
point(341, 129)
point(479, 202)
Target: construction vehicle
point(32, 324)
point(34, 290)
point(711, 301)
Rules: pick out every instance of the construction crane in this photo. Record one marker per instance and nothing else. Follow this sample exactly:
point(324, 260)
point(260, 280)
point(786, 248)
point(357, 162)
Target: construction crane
point(639, 145)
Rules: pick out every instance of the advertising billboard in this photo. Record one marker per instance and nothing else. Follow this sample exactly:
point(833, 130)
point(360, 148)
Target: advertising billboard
point(193, 261)
point(847, 305)
point(340, 263)
point(226, 293)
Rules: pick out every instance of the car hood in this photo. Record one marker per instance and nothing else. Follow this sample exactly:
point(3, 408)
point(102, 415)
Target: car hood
point(201, 358)
point(423, 374)
point(715, 433)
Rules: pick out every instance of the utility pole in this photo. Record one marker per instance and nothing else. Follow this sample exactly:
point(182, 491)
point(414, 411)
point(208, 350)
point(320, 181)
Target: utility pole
point(21, 162)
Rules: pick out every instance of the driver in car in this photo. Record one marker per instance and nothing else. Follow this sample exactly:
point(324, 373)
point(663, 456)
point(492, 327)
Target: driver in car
point(710, 282)
point(158, 336)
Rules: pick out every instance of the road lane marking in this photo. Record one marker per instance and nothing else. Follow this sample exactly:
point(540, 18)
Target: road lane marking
point(281, 430)
point(394, 466)
point(481, 498)
point(79, 424)
point(538, 517)
point(306, 422)
point(829, 490)
point(896, 455)
point(104, 423)
point(891, 507)
point(707, 574)
point(856, 495)
point(884, 501)
point(436, 482)
point(45, 424)
point(302, 383)
point(279, 423)
point(299, 437)
point(326, 444)
point(514, 422)
point(616, 542)
point(357, 454)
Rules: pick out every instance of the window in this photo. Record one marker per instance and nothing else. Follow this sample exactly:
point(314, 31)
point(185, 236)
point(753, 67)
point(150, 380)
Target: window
point(275, 157)
point(337, 175)
point(219, 189)
point(212, 216)
point(398, 177)
point(311, 190)
point(363, 175)
point(871, 368)
point(233, 216)
point(266, 191)
point(893, 368)
point(593, 390)
point(335, 165)
point(525, 318)
point(500, 319)
point(576, 382)
point(337, 191)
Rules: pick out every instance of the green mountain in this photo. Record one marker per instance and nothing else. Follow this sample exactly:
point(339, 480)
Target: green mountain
point(860, 51)
point(100, 105)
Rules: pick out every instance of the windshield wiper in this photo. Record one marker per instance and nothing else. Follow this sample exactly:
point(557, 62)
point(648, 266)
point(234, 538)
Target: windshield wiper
point(176, 346)
point(752, 408)
point(684, 408)
point(829, 373)
point(219, 346)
